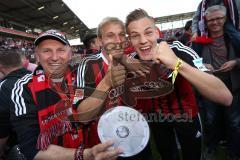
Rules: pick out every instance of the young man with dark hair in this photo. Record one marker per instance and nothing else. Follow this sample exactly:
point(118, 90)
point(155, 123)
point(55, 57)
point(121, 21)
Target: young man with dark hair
point(12, 68)
point(181, 102)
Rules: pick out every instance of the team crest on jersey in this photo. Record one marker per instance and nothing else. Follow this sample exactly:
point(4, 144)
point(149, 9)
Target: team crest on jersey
point(199, 64)
point(41, 78)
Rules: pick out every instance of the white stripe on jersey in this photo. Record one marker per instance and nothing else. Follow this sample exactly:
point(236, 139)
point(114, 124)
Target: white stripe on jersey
point(17, 98)
point(181, 47)
point(82, 67)
point(2, 84)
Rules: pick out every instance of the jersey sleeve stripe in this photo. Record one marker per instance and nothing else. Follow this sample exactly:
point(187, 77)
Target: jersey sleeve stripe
point(82, 69)
point(17, 97)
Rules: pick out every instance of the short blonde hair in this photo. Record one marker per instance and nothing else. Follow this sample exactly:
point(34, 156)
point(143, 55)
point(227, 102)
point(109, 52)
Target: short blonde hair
point(106, 21)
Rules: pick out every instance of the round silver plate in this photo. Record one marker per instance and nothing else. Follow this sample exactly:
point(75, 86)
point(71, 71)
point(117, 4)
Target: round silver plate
point(126, 127)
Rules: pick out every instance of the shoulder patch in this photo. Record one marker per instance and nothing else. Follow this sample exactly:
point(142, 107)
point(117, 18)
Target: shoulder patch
point(199, 64)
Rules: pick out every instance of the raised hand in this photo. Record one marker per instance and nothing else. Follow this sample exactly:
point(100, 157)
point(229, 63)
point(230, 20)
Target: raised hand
point(116, 74)
point(227, 66)
point(165, 55)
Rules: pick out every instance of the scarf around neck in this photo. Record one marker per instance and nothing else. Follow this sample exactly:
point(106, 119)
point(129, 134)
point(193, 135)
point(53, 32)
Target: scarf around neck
point(54, 104)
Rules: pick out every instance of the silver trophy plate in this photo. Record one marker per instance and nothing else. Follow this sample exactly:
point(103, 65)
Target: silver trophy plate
point(126, 127)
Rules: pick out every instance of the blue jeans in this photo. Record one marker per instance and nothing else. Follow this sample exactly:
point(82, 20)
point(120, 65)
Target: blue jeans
point(221, 121)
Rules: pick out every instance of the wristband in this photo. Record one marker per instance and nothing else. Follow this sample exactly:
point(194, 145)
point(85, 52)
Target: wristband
point(175, 70)
point(78, 155)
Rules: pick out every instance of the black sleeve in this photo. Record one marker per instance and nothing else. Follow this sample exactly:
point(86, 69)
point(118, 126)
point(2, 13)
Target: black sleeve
point(5, 125)
point(183, 52)
point(4, 122)
point(24, 118)
point(188, 55)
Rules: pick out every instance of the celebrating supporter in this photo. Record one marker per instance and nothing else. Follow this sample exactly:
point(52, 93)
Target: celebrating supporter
point(186, 66)
point(106, 72)
point(41, 103)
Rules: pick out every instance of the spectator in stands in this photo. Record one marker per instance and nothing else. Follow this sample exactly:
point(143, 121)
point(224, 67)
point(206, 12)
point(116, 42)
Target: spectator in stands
point(16, 43)
point(32, 58)
point(187, 35)
point(223, 60)
point(28, 65)
point(91, 43)
point(143, 36)
point(232, 23)
point(178, 34)
point(41, 103)
point(12, 68)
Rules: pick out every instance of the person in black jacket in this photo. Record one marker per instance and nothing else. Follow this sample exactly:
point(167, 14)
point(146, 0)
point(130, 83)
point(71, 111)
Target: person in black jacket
point(12, 68)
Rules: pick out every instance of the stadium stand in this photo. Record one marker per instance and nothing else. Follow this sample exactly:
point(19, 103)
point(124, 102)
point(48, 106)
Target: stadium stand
point(27, 18)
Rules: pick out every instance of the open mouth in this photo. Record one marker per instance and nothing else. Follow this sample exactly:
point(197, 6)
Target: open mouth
point(145, 50)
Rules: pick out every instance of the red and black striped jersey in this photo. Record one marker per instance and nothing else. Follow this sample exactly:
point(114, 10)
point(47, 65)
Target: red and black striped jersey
point(91, 71)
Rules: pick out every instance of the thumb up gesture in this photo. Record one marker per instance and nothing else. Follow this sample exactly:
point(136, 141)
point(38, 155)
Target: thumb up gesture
point(116, 74)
